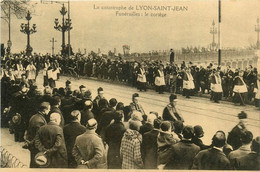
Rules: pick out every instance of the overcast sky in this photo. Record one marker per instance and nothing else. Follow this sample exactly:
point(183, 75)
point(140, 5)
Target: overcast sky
point(93, 29)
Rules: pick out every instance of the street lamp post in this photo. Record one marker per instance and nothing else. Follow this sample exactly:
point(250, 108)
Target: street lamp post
point(9, 42)
point(65, 26)
point(25, 28)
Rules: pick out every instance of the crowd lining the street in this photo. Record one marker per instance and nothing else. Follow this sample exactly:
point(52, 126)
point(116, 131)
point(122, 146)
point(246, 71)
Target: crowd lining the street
point(237, 85)
point(65, 128)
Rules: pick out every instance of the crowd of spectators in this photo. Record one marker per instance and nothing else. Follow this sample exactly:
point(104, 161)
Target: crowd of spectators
point(125, 71)
point(65, 128)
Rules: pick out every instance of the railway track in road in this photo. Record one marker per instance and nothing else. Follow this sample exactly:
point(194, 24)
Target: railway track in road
point(195, 105)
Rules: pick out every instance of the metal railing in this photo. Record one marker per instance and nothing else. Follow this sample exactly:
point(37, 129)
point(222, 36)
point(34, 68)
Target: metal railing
point(10, 161)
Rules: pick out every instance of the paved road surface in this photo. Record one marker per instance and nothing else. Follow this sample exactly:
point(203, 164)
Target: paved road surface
point(196, 111)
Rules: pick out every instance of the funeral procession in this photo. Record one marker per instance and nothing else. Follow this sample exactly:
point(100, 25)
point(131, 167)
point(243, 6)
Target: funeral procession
point(152, 85)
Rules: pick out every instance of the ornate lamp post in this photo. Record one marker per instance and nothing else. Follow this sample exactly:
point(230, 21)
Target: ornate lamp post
point(213, 31)
point(25, 28)
point(257, 29)
point(63, 27)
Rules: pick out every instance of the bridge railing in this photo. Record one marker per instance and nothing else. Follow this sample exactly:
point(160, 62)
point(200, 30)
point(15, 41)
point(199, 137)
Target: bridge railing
point(10, 161)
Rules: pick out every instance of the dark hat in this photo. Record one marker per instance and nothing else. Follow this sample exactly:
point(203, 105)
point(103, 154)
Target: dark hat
point(173, 97)
point(178, 125)
point(91, 124)
point(118, 115)
point(198, 130)
point(44, 105)
point(242, 115)
point(135, 95)
point(165, 125)
point(100, 89)
point(41, 159)
point(157, 123)
point(87, 95)
point(188, 132)
point(82, 86)
point(68, 82)
point(16, 119)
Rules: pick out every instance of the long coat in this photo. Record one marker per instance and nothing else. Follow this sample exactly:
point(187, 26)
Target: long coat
point(50, 138)
point(89, 147)
point(211, 159)
point(71, 131)
point(35, 123)
point(250, 161)
point(182, 155)
point(113, 136)
point(149, 149)
point(232, 156)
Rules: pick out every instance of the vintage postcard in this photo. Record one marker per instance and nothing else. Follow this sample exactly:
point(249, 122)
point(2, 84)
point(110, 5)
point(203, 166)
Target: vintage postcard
point(152, 85)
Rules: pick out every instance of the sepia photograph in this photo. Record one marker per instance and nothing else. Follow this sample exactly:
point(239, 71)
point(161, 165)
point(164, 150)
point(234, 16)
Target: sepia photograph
point(130, 85)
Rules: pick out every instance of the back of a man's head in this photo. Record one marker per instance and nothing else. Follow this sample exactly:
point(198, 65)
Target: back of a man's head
point(150, 118)
point(136, 115)
point(256, 145)
point(44, 106)
point(178, 126)
point(188, 132)
point(157, 123)
point(55, 117)
point(135, 124)
point(246, 137)
point(75, 115)
point(92, 124)
point(219, 139)
point(112, 102)
point(56, 100)
point(103, 103)
point(88, 104)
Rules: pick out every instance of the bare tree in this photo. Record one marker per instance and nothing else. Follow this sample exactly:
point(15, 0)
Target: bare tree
point(17, 8)
point(13, 7)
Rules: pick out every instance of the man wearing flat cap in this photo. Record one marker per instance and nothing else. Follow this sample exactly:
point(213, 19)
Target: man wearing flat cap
point(234, 136)
point(89, 151)
point(171, 112)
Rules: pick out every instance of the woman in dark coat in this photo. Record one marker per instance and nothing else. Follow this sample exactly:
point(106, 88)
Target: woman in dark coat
point(113, 137)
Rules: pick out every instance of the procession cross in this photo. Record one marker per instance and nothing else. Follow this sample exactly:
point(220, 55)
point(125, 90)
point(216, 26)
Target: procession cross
point(213, 31)
point(52, 48)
